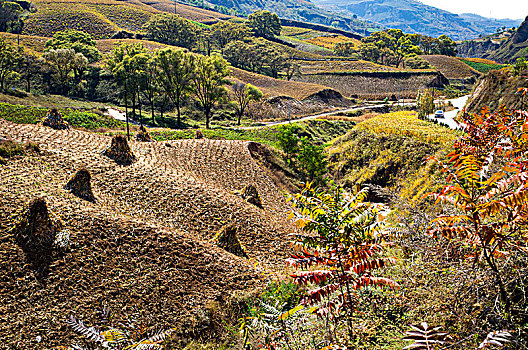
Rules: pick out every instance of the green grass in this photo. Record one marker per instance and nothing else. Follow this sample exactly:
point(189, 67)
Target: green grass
point(483, 67)
point(319, 130)
point(33, 115)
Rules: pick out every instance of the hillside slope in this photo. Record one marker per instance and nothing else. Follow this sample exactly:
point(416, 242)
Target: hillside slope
point(515, 47)
point(415, 17)
point(104, 18)
point(452, 68)
point(498, 88)
point(152, 220)
point(300, 10)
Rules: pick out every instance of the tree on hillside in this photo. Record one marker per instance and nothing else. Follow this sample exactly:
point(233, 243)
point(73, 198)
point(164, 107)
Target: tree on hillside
point(9, 57)
point(175, 71)
point(345, 49)
point(224, 32)
point(208, 82)
point(10, 16)
point(257, 55)
point(172, 30)
point(244, 95)
point(122, 64)
point(30, 65)
point(406, 49)
point(291, 69)
point(149, 85)
point(64, 63)
point(425, 104)
point(80, 42)
point(486, 191)
point(265, 24)
point(389, 47)
point(447, 46)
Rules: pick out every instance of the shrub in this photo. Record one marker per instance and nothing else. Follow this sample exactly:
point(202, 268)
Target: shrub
point(343, 236)
point(312, 160)
point(288, 140)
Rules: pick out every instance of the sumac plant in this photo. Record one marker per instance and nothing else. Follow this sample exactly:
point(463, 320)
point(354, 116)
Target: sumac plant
point(344, 238)
point(486, 191)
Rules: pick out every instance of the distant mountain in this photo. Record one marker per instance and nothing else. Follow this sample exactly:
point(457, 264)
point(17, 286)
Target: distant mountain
point(415, 17)
point(301, 10)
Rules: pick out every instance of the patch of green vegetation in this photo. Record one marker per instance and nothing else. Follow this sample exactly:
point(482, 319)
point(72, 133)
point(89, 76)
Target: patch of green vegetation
point(33, 115)
point(321, 131)
point(9, 149)
point(483, 67)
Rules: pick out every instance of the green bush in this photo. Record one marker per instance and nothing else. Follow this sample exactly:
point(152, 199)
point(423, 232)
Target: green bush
point(288, 140)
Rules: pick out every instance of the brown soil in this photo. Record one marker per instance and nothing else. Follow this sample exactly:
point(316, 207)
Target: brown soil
point(145, 243)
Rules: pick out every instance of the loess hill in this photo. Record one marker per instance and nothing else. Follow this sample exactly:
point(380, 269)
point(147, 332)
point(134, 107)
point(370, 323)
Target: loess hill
point(104, 18)
point(144, 244)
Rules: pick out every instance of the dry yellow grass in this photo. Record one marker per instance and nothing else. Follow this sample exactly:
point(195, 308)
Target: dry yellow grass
point(451, 67)
point(31, 43)
point(103, 18)
point(477, 60)
point(358, 119)
point(407, 124)
point(331, 41)
point(277, 87)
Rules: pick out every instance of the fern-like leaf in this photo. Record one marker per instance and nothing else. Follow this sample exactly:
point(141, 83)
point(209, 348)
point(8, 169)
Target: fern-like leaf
point(89, 332)
point(496, 339)
point(424, 337)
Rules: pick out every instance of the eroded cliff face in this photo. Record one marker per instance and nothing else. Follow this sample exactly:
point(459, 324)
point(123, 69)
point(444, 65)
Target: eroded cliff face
point(495, 47)
point(473, 48)
point(515, 47)
point(499, 88)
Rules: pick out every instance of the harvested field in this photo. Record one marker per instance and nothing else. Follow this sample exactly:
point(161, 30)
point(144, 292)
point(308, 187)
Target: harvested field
point(144, 241)
point(451, 67)
point(375, 85)
point(330, 66)
point(276, 87)
point(189, 12)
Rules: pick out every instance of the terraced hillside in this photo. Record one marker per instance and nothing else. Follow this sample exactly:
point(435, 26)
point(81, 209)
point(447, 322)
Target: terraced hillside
point(376, 84)
point(152, 219)
point(451, 67)
point(104, 18)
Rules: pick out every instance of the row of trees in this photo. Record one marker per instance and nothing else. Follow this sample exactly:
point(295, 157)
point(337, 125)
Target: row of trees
point(177, 74)
point(245, 45)
point(175, 30)
point(170, 76)
point(393, 47)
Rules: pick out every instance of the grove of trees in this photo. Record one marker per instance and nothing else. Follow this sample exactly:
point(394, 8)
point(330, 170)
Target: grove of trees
point(393, 47)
